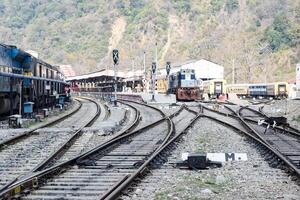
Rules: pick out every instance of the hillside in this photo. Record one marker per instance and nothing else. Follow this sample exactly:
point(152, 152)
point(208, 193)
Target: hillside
point(261, 38)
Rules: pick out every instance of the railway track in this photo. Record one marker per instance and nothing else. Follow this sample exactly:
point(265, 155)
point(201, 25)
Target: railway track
point(283, 143)
point(39, 148)
point(10, 139)
point(126, 153)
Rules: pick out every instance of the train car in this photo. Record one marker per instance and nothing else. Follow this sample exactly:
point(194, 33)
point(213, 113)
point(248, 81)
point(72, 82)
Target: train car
point(241, 90)
point(184, 85)
point(161, 84)
point(22, 73)
point(269, 90)
point(214, 88)
point(281, 89)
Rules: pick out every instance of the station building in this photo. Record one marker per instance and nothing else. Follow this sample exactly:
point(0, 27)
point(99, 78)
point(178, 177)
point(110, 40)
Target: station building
point(204, 69)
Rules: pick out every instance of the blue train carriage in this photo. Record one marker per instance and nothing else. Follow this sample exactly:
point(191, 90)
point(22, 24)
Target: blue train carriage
point(43, 79)
point(9, 64)
point(269, 90)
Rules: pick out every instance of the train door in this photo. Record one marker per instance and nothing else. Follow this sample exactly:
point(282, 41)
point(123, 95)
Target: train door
point(218, 88)
point(282, 90)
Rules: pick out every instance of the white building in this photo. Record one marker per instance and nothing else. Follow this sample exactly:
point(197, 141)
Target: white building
point(298, 77)
point(204, 69)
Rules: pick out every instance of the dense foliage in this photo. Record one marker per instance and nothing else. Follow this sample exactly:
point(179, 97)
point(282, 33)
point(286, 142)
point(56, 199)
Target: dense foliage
point(257, 36)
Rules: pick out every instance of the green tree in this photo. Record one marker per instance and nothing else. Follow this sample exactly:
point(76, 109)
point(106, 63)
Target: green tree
point(232, 5)
point(278, 34)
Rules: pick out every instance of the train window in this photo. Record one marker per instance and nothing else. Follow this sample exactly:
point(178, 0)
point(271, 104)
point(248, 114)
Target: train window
point(193, 76)
point(182, 76)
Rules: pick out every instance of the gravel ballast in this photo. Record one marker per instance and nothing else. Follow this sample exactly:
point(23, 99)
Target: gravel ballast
point(251, 179)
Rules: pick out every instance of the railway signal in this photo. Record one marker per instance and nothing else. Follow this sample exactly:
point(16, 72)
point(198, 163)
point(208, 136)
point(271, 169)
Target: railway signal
point(153, 79)
point(168, 68)
point(115, 55)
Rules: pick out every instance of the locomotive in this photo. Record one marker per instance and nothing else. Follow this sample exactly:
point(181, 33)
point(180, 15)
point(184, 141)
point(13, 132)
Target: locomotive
point(25, 78)
point(184, 85)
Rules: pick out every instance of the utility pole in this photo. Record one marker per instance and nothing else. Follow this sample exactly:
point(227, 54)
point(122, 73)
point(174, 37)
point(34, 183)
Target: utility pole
point(133, 70)
point(116, 62)
point(153, 79)
point(156, 54)
point(144, 71)
point(233, 71)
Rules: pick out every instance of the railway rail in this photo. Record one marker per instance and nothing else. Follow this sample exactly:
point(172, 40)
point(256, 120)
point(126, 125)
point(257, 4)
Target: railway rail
point(38, 145)
point(139, 142)
point(107, 170)
point(283, 143)
point(17, 137)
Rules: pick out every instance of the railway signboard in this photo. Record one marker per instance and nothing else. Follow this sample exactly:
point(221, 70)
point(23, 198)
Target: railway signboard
point(116, 56)
point(168, 68)
point(153, 67)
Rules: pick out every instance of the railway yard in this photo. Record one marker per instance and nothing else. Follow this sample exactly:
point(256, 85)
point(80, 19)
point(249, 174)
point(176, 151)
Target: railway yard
point(95, 150)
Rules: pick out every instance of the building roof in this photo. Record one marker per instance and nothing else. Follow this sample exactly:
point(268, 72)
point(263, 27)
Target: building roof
point(204, 69)
point(100, 73)
point(67, 70)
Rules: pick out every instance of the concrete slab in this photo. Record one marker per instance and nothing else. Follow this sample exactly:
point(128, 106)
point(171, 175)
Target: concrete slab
point(159, 98)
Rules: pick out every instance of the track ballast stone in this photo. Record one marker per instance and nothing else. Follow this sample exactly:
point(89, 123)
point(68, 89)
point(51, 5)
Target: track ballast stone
point(252, 179)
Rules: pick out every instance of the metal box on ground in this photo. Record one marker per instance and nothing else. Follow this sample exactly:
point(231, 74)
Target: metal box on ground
point(28, 107)
point(15, 121)
point(45, 112)
point(197, 160)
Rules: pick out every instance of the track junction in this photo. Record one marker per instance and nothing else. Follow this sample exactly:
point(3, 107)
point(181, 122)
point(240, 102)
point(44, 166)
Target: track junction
point(77, 163)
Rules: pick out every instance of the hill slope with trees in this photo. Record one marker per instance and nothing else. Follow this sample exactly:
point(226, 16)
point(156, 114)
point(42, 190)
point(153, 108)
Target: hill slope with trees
point(260, 38)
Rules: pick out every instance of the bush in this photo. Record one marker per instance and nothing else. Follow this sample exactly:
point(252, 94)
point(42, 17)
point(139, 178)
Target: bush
point(216, 5)
point(278, 34)
point(232, 5)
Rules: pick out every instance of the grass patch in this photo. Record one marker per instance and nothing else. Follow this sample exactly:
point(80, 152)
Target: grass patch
point(210, 183)
point(201, 144)
point(297, 119)
point(161, 196)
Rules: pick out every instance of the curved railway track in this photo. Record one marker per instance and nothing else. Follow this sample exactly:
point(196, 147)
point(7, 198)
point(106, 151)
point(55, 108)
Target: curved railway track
point(127, 153)
point(105, 171)
point(38, 149)
point(17, 137)
point(283, 143)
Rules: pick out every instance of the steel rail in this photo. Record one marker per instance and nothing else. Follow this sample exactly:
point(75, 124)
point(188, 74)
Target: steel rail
point(256, 136)
point(116, 191)
point(32, 180)
point(64, 147)
point(272, 149)
point(294, 131)
point(28, 133)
